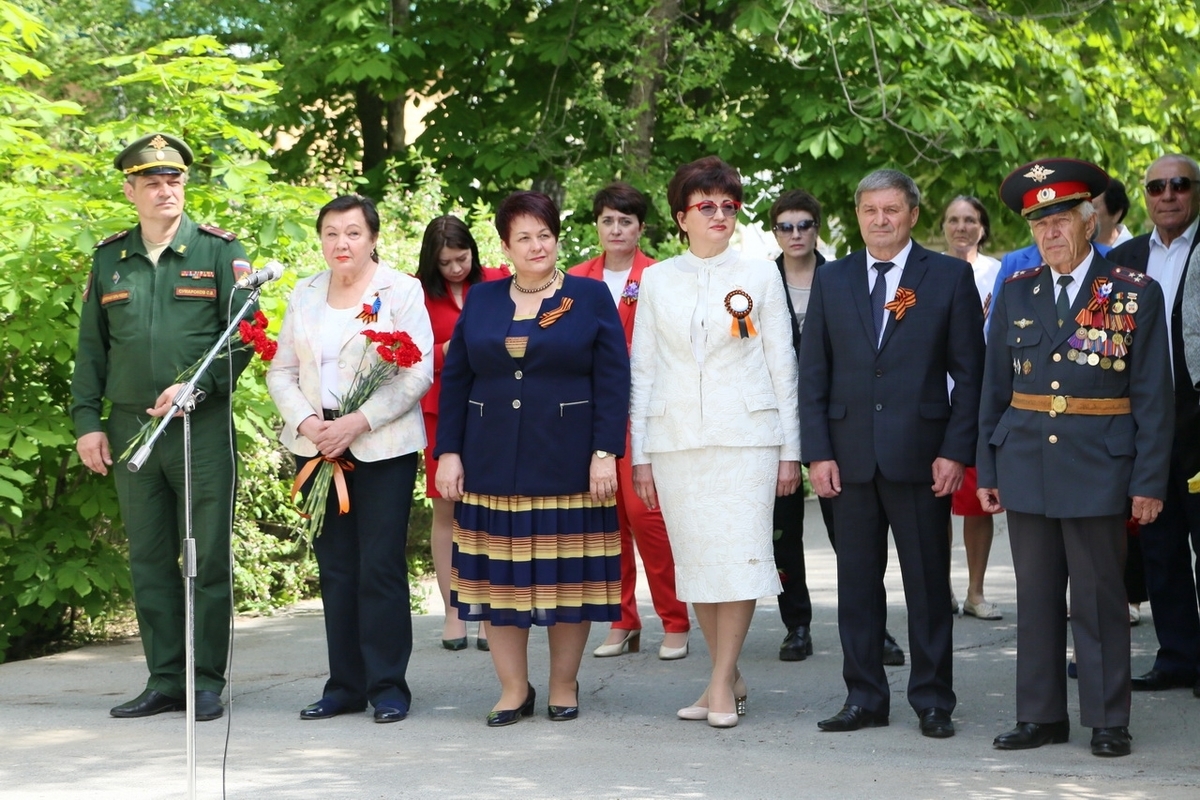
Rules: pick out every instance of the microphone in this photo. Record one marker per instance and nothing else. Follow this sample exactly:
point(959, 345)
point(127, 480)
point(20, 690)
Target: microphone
point(273, 271)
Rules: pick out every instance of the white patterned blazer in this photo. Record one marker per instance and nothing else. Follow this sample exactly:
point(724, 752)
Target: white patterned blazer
point(745, 392)
point(394, 411)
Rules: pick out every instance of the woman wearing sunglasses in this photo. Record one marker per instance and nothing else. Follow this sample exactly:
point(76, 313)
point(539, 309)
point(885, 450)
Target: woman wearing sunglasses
point(715, 425)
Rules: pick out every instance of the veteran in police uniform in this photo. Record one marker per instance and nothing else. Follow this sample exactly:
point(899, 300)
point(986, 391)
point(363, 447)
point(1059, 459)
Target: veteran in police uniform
point(1074, 426)
point(156, 300)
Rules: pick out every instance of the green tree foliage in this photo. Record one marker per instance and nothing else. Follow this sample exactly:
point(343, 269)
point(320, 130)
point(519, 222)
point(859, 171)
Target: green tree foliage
point(565, 95)
point(61, 550)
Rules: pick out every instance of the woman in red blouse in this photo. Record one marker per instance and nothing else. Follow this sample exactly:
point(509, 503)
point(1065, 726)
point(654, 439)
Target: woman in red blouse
point(448, 267)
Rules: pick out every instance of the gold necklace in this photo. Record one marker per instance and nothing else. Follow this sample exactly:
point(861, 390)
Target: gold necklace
point(541, 288)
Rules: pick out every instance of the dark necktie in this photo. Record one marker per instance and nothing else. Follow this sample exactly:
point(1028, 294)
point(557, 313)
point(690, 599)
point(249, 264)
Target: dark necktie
point(879, 296)
point(1063, 304)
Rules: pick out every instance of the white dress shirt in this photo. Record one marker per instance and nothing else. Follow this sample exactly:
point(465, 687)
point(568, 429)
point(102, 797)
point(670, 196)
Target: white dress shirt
point(891, 279)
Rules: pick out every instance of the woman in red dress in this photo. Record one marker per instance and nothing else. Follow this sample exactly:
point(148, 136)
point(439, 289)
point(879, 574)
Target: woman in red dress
point(448, 267)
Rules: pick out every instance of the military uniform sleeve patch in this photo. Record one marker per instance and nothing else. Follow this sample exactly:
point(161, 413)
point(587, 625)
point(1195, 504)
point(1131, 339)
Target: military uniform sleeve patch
point(1024, 273)
point(113, 238)
point(213, 230)
point(1131, 276)
point(241, 268)
point(87, 286)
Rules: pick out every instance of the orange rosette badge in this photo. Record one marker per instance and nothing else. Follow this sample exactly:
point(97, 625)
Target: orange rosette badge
point(738, 305)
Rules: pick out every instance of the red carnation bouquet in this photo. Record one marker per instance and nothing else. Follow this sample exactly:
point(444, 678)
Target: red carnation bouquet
point(396, 351)
point(253, 334)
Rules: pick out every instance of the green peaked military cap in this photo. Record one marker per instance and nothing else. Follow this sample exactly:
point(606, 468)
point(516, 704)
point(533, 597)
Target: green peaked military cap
point(155, 154)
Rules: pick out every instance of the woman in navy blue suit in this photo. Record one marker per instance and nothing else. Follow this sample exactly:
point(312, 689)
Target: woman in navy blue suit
point(534, 404)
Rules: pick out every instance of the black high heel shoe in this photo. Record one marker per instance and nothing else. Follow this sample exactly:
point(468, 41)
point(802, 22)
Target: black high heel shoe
point(565, 713)
point(510, 716)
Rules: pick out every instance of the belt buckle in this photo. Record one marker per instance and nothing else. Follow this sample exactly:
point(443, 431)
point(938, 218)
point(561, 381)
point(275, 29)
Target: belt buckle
point(1058, 404)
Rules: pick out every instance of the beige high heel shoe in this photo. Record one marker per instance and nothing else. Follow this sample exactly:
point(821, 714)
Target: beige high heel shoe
point(632, 640)
point(699, 712)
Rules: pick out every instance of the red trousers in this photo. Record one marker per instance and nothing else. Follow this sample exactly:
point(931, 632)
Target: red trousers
point(640, 524)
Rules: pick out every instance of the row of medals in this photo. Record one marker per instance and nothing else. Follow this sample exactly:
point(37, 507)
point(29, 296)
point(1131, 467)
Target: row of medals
point(1094, 346)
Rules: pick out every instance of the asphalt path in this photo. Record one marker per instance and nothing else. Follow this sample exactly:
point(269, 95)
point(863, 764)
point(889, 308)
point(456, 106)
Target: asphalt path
point(58, 741)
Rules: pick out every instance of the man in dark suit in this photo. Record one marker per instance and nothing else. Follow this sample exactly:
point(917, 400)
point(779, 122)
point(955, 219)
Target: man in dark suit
point(1173, 200)
point(1074, 424)
point(885, 326)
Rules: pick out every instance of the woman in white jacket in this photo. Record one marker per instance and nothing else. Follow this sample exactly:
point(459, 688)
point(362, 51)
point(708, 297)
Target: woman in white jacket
point(715, 423)
point(361, 552)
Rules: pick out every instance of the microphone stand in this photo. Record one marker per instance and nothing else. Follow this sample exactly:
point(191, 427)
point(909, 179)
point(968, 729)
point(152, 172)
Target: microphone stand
point(185, 403)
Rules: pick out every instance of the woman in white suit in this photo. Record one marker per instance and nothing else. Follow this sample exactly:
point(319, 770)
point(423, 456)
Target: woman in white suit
point(360, 554)
point(715, 425)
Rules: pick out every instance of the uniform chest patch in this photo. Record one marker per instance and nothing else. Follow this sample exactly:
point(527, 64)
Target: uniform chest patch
point(197, 274)
point(198, 292)
point(114, 297)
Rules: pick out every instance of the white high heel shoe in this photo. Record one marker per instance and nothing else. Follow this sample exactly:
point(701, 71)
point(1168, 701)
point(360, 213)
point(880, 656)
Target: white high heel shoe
point(632, 640)
point(673, 653)
point(699, 712)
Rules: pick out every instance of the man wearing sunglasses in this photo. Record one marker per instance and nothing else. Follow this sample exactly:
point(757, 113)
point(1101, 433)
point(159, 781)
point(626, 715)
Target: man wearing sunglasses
point(1172, 189)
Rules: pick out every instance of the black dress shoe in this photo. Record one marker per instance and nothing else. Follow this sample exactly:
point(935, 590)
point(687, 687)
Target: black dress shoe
point(1111, 741)
point(509, 716)
point(390, 710)
point(208, 705)
point(455, 644)
point(565, 713)
point(147, 704)
point(1156, 680)
point(851, 718)
point(797, 645)
point(936, 723)
point(1028, 735)
point(893, 656)
point(328, 707)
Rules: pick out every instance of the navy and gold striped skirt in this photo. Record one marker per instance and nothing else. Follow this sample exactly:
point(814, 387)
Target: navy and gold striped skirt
point(525, 561)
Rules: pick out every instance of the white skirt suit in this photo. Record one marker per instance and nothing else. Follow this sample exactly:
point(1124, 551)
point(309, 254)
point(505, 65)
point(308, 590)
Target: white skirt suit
point(714, 413)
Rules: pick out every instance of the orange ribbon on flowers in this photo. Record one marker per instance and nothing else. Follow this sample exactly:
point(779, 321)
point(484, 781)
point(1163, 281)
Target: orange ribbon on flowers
point(340, 467)
point(905, 299)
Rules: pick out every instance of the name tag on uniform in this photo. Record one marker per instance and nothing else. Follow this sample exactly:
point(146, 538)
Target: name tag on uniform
point(114, 297)
point(201, 292)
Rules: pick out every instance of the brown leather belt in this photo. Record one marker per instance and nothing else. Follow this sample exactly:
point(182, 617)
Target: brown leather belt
point(1059, 404)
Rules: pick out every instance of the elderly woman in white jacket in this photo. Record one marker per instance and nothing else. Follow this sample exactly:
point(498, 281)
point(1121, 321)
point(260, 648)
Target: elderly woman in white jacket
point(714, 419)
point(360, 554)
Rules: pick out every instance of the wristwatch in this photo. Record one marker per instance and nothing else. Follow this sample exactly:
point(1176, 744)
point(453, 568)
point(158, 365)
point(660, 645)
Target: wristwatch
point(602, 454)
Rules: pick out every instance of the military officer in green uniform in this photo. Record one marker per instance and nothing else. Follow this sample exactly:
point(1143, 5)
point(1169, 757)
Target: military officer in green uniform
point(1075, 431)
point(156, 300)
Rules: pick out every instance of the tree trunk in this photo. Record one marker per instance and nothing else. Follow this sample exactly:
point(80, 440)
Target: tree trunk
point(653, 47)
point(551, 187)
point(395, 106)
point(370, 109)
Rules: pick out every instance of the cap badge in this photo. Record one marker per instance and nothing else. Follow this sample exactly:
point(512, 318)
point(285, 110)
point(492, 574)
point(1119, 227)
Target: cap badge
point(158, 143)
point(1039, 173)
point(1046, 193)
